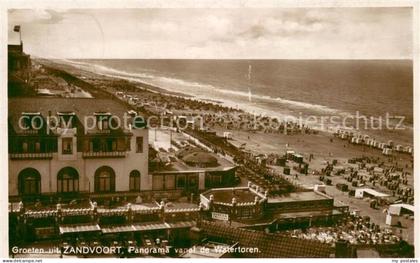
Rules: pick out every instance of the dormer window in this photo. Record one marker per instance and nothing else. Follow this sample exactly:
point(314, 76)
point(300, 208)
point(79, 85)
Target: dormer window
point(31, 121)
point(102, 120)
point(66, 119)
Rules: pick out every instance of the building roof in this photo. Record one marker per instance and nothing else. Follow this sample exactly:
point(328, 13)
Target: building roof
point(79, 228)
point(225, 195)
point(269, 245)
point(82, 107)
point(207, 250)
point(200, 158)
point(179, 166)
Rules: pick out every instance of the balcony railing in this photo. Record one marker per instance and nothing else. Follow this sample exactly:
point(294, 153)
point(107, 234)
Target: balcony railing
point(31, 155)
point(114, 154)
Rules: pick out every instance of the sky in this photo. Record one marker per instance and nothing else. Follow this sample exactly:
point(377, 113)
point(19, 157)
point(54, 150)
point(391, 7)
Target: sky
point(229, 33)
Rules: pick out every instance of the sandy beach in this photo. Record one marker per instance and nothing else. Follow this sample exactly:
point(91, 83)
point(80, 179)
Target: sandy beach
point(323, 147)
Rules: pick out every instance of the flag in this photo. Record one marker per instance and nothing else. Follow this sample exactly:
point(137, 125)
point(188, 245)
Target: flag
point(16, 28)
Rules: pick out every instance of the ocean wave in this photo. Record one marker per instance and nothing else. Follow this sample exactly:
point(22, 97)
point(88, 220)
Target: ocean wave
point(96, 68)
point(180, 82)
point(213, 89)
point(295, 103)
point(207, 91)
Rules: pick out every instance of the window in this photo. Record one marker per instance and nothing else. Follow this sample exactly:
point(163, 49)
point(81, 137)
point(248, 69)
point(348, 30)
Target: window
point(105, 179)
point(135, 180)
point(31, 146)
point(180, 181)
point(29, 182)
point(213, 180)
point(169, 182)
point(26, 122)
point(139, 143)
point(157, 182)
point(36, 122)
point(114, 145)
point(66, 121)
point(24, 147)
point(67, 145)
point(246, 212)
point(37, 147)
point(103, 122)
point(94, 145)
point(67, 180)
point(193, 181)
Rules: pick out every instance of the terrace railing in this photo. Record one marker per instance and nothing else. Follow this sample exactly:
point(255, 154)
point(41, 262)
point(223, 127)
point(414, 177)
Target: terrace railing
point(113, 154)
point(23, 156)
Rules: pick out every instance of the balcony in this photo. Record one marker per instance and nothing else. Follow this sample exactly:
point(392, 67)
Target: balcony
point(114, 154)
point(26, 156)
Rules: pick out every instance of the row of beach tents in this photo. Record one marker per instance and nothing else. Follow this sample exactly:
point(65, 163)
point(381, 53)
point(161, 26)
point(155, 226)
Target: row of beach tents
point(387, 148)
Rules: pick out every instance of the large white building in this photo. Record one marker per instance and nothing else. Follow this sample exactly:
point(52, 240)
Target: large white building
point(64, 146)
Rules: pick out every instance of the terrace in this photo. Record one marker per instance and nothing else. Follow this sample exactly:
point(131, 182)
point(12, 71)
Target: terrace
point(225, 195)
point(298, 197)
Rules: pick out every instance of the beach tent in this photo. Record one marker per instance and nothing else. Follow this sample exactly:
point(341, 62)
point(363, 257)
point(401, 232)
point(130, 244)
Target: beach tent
point(319, 188)
point(297, 158)
point(387, 151)
point(398, 209)
point(363, 173)
point(409, 149)
point(378, 170)
point(382, 145)
point(367, 192)
point(391, 220)
point(227, 135)
point(289, 154)
point(338, 167)
point(281, 161)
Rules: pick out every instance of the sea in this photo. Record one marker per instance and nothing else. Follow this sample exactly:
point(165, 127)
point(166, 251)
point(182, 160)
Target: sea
point(373, 97)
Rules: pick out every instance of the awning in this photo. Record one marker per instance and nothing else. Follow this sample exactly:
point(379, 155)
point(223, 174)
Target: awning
point(76, 212)
point(147, 227)
point(79, 228)
point(117, 229)
point(395, 209)
point(372, 192)
point(150, 226)
point(182, 224)
point(113, 212)
point(41, 214)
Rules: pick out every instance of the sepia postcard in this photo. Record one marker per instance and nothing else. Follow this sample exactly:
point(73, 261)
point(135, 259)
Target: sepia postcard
point(209, 129)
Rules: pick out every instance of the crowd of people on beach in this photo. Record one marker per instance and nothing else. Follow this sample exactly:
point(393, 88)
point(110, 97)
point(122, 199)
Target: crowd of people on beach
point(378, 174)
point(355, 229)
point(212, 113)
